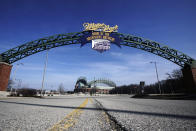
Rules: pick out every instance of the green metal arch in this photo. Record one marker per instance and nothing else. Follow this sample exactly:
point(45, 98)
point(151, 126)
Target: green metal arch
point(161, 50)
point(104, 81)
point(46, 43)
point(39, 45)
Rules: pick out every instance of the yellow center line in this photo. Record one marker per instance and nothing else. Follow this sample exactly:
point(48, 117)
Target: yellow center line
point(70, 119)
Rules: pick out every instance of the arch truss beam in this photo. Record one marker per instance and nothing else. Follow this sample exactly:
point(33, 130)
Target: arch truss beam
point(164, 51)
point(39, 45)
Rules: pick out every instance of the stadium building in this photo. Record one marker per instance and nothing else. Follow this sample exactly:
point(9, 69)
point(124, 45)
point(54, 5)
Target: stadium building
point(100, 86)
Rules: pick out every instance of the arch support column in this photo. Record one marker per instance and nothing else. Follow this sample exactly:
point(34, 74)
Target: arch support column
point(5, 70)
point(193, 70)
point(189, 77)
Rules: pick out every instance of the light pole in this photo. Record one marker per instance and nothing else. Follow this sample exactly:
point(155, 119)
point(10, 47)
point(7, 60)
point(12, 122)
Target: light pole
point(157, 75)
point(94, 87)
point(45, 66)
point(14, 75)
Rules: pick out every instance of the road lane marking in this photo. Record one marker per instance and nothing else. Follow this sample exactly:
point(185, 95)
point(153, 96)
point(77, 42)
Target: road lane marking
point(70, 120)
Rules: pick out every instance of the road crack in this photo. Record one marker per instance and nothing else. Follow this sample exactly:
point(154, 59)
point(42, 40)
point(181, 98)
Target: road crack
point(116, 126)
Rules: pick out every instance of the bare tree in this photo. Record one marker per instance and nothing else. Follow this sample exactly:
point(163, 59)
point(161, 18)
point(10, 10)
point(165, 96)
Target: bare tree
point(10, 84)
point(61, 89)
point(176, 74)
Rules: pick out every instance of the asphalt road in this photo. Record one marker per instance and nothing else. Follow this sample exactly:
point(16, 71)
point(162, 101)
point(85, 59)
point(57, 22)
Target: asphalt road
point(97, 113)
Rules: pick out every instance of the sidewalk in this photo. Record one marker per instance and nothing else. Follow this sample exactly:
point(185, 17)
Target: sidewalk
point(4, 94)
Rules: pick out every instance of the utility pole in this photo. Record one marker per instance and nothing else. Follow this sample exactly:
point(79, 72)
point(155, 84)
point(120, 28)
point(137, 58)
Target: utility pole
point(45, 66)
point(157, 75)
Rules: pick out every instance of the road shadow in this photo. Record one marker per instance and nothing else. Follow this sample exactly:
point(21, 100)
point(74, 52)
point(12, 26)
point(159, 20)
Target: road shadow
point(165, 97)
point(68, 97)
point(177, 116)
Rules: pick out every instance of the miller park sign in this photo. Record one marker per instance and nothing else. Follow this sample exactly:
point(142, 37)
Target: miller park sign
point(101, 36)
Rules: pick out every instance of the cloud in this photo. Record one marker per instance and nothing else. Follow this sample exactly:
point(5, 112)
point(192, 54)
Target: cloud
point(140, 67)
point(122, 68)
point(127, 69)
point(31, 67)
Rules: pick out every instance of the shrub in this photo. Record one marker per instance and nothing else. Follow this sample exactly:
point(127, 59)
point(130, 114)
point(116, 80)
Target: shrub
point(27, 92)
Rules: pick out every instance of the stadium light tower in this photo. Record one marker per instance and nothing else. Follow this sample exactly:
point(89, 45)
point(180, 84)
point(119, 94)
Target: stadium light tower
point(157, 75)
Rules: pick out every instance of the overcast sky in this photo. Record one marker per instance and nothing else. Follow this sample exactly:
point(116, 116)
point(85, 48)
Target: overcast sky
point(170, 22)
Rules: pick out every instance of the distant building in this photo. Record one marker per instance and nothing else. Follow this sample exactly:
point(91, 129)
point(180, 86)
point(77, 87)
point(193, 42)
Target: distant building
point(87, 87)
